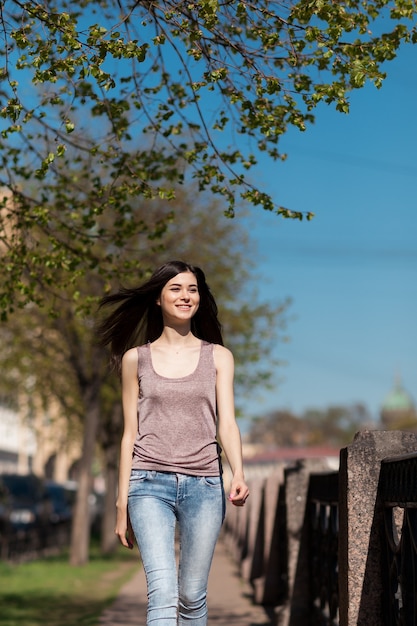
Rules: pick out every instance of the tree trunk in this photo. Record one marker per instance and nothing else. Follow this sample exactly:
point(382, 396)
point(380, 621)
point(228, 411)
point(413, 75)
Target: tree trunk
point(110, 446)
point(80, 534)
point(108, 538)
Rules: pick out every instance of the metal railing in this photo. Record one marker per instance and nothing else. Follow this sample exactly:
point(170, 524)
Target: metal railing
point(342, 544)
point(323, 525)
point(398, 496)
point(33, 543)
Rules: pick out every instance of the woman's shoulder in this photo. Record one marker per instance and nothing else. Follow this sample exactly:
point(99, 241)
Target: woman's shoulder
point(222, 355)
point(130, 364)
point(133, 353)
point(130, 356)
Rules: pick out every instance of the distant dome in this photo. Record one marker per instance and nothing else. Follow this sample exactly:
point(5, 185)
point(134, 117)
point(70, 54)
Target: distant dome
point(398, 400)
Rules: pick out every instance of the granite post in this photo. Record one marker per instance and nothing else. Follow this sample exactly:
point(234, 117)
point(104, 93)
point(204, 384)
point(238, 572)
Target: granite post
point(295, 611)
point(252, 563)
point(360, 520)
point(271, 587)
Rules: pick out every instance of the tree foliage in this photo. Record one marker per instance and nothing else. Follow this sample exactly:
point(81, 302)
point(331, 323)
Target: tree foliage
point(154, 93)
point(334, 425)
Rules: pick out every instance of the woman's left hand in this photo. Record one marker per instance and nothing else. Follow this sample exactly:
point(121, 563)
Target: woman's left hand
point(239, 492)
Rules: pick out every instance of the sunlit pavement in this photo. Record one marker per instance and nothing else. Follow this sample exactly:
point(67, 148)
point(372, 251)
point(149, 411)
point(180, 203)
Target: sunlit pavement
point(229, 599)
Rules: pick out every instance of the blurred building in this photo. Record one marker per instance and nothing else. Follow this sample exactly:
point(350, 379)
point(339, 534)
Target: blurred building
point(35, 438)
point(399, 411)
point(17, 442)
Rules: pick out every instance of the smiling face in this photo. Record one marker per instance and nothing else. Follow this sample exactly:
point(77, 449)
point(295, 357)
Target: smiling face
point(179, 299)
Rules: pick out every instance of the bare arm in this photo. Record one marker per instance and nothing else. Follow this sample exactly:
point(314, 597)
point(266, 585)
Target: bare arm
point(130, 391)
point(227, 429)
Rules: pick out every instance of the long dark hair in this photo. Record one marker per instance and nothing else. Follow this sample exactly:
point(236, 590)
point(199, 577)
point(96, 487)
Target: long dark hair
point(138, 319)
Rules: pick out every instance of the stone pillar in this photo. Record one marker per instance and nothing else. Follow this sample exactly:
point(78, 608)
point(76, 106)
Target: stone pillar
point(360, 520)
point(272, 586)
point(252, 563)
point(296, 609)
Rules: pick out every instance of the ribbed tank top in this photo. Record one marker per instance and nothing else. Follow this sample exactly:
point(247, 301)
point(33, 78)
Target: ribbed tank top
point(177, 418)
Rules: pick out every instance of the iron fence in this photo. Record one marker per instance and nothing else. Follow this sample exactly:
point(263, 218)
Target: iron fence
point(398, 496)
point(323, 525)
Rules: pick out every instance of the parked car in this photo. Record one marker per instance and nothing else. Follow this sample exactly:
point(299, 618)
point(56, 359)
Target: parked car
point(62, 499)
point(31, 506)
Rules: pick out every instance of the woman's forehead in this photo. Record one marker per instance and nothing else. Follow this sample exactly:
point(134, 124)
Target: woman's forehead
point(182, 278)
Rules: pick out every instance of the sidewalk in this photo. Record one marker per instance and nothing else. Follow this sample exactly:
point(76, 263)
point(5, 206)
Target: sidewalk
point(229, 599)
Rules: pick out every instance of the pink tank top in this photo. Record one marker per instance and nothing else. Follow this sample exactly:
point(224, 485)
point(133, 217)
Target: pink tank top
point(177, 418)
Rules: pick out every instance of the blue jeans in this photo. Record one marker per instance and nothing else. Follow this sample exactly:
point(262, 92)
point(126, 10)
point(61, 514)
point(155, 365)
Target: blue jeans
point(157, 500)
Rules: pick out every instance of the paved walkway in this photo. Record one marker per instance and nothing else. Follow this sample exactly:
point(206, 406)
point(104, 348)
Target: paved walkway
point(229, 599)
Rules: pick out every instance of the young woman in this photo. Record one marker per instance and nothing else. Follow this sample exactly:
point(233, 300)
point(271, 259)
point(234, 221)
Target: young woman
point(177, 390)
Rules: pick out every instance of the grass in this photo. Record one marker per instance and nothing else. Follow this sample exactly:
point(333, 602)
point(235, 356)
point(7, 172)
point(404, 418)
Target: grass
point(50, 592)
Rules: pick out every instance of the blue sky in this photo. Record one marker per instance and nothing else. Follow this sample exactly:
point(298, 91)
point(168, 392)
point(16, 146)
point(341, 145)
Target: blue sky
point(351, 272)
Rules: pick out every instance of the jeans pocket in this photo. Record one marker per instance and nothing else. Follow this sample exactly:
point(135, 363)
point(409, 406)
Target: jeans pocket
point(212, 481)
point(138, 476)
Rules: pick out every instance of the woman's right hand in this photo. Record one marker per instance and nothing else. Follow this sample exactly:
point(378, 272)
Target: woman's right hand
point(124, 528)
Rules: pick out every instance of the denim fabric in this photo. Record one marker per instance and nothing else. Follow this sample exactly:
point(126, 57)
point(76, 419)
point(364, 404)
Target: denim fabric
point(157, 501)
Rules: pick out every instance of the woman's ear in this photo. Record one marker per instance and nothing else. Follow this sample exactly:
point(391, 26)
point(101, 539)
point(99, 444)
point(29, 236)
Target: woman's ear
point(158, 301)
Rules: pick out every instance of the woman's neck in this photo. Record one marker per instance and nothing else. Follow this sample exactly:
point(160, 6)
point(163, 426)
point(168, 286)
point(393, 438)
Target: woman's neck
point(177, 337)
